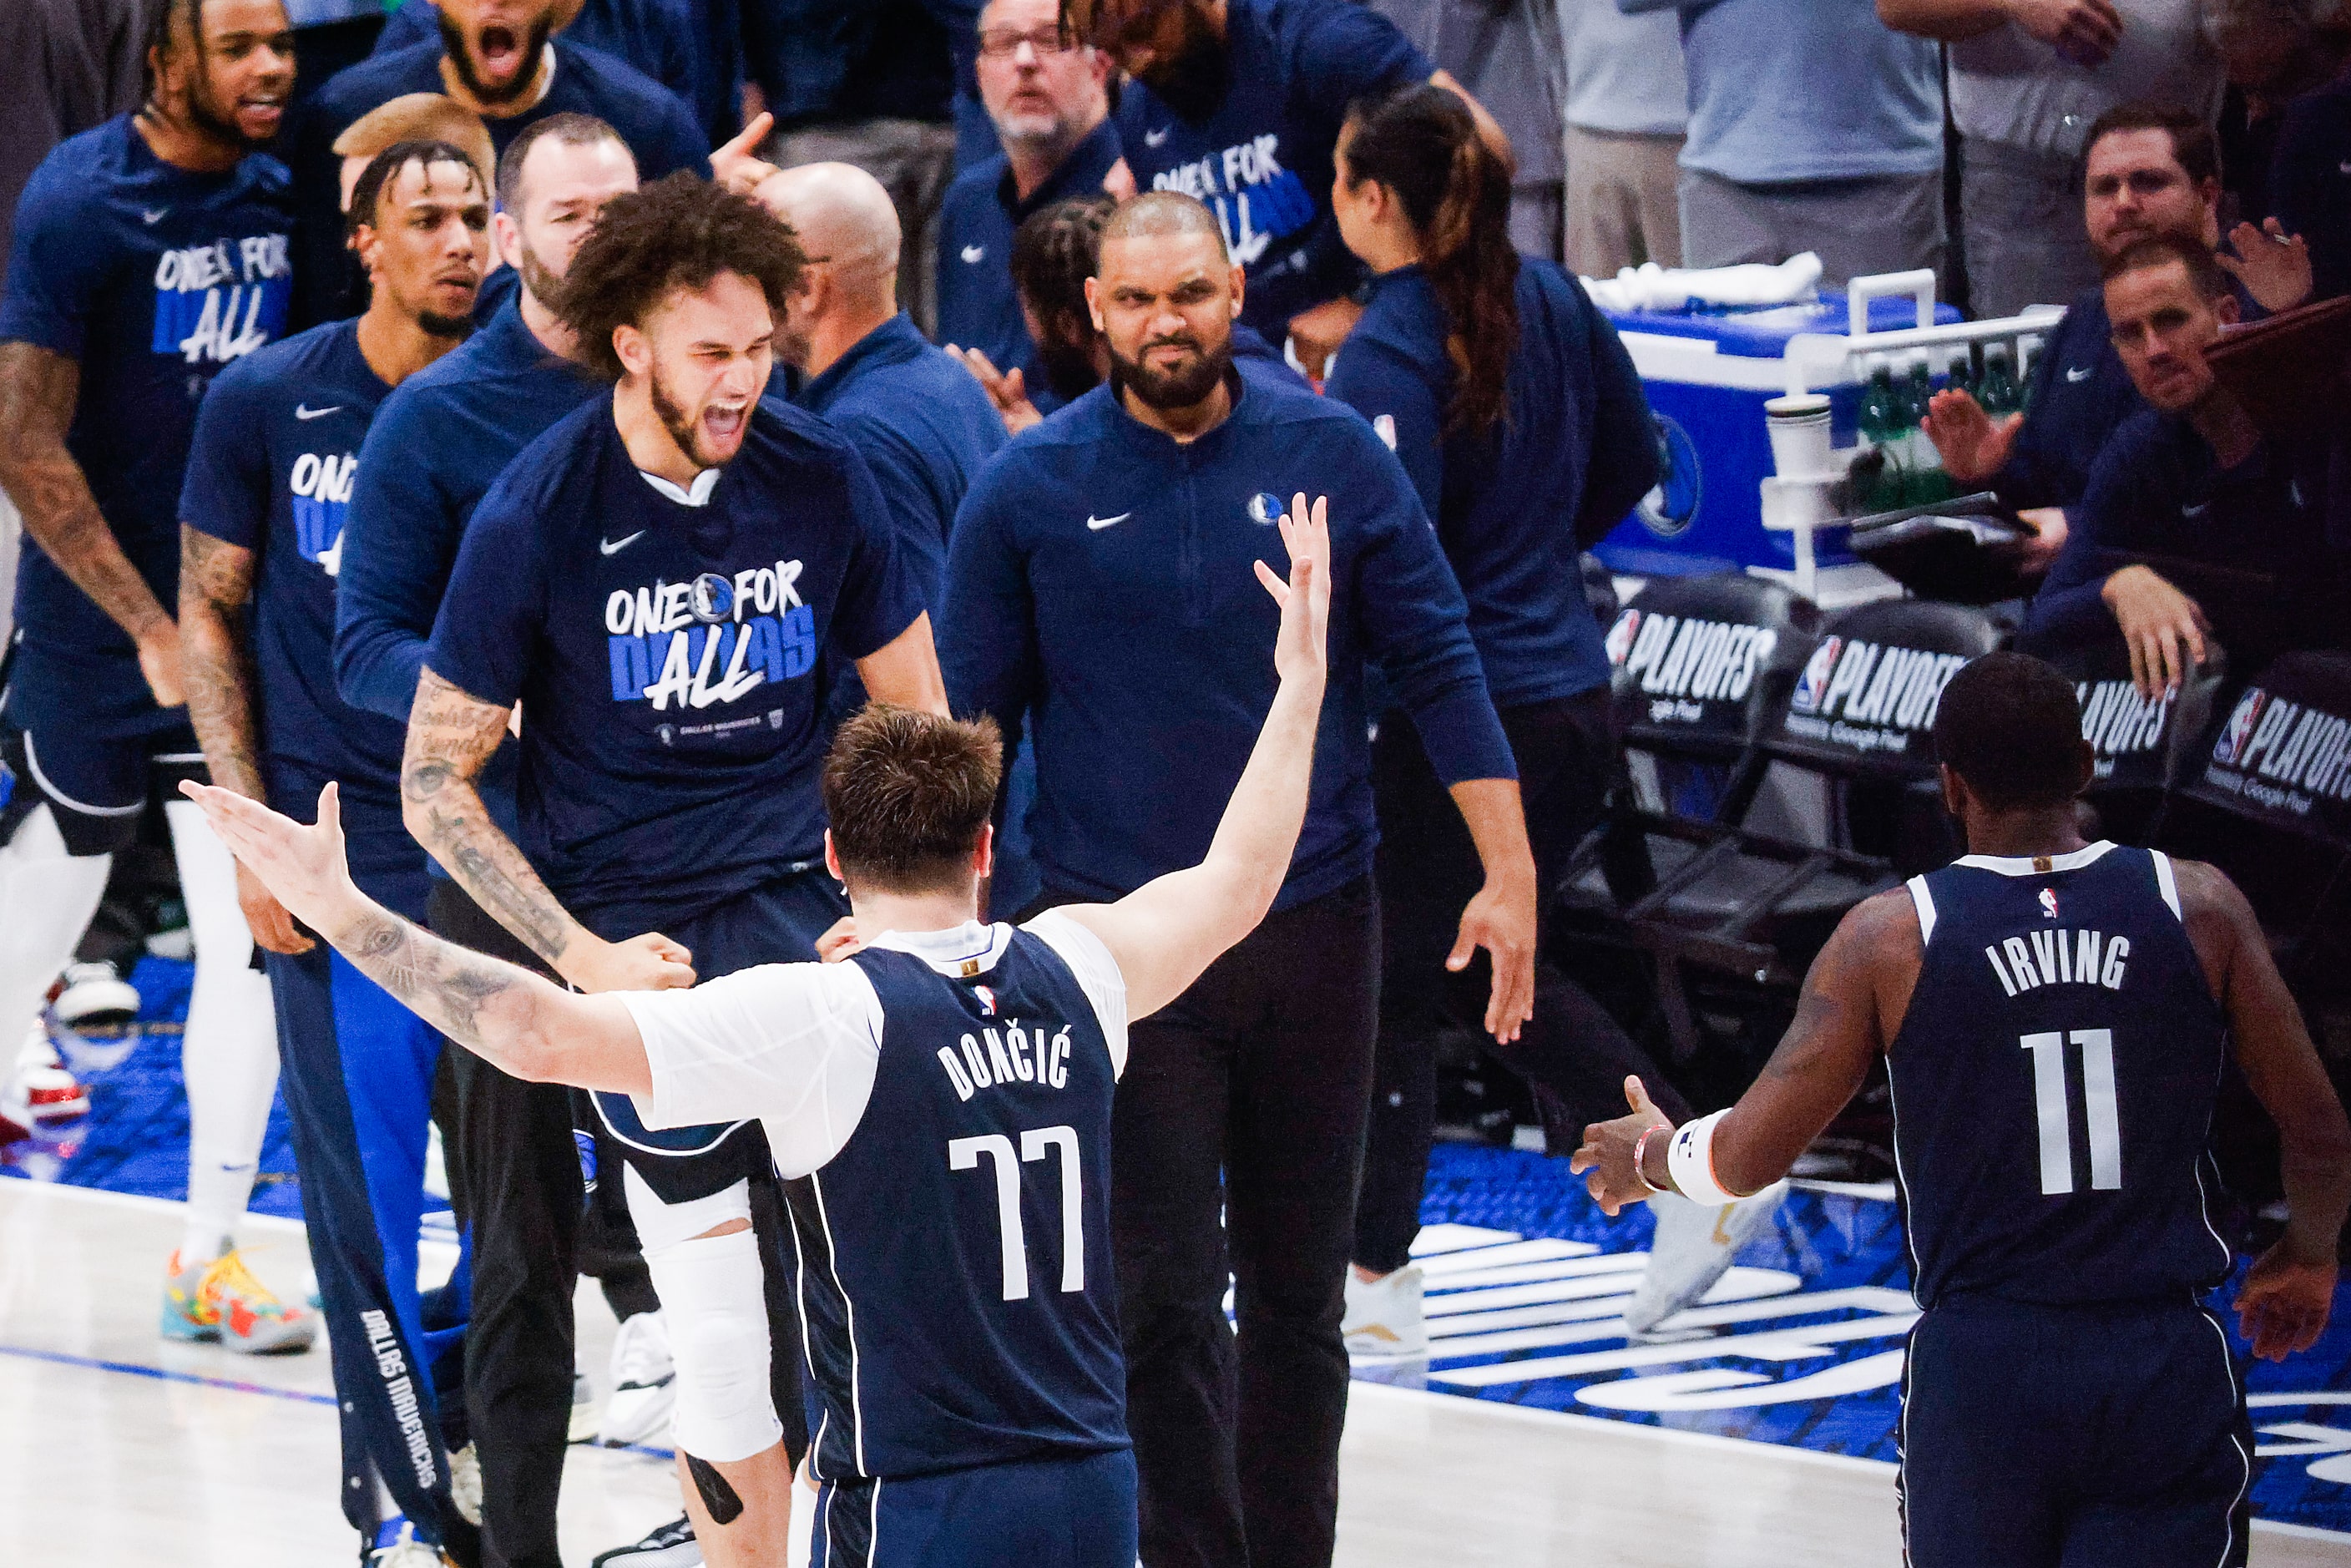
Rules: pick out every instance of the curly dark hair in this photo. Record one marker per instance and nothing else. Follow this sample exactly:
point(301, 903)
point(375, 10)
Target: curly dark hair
point(1054, 251)
point(906, 794)
point(676, 233)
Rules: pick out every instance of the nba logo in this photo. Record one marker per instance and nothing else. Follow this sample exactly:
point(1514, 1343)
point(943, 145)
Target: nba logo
point(1814, 686)
point(1620, 636)
point(2048, 903)
point(986, 999)
point(2231, 744)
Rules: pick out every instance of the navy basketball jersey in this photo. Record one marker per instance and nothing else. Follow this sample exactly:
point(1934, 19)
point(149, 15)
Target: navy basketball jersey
point(952, 1262)
point(2054, 1083)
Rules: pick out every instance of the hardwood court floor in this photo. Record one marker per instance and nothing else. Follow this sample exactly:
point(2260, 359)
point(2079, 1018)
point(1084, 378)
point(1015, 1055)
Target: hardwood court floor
point(120, 1451)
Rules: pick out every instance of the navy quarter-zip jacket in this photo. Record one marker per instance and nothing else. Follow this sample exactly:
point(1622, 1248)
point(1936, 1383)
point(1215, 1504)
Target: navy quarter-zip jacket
point(1100, 587)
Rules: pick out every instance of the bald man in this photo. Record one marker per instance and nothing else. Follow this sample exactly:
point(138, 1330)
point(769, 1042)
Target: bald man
point(920, 420)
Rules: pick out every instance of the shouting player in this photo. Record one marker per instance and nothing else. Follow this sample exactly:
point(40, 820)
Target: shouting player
point(941, 1103)
point(148, 254)
point(2056, 1017)
point(654, 580)
point(268, 484)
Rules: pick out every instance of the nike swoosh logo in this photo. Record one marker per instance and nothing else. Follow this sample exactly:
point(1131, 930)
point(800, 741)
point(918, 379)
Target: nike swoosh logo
point(2196, 514)
point(304, 410)
point(153, 214)
point(2078, 373)
point(1099, 523)
point(1156, 138)
point(972, 254)
point(614, 546)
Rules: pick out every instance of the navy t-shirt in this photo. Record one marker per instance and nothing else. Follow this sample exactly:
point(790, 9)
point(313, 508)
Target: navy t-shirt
point(152, 278)
point(658, 126)
point(923, 424)
point(1102, 584)
point(1505, 499)
point(277, 442)
point(1262, 159)
point(979, 306)
point(663, 655)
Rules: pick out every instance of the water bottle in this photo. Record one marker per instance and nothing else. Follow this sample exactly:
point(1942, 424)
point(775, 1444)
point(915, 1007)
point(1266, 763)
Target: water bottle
point(2000, 394)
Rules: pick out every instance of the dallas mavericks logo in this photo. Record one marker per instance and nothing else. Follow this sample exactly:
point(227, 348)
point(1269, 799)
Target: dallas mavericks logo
point(1812, 687)
point(713, 599)
point(1672, 505)
point(1265, 508)
point(2231, 744)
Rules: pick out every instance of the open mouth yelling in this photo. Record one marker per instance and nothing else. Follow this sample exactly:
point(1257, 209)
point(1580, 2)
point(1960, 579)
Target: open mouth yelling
point(498, 51)
point(722, 426)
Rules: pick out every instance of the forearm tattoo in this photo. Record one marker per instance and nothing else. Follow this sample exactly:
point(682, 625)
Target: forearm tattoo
point(450, 739)
point(481, 1003)
point(216, 661)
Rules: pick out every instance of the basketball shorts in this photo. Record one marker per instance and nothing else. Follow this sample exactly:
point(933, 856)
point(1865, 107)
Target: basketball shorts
point(96, 785)
point(1039, 1513)
point(777, 922)
point(2111, 1435)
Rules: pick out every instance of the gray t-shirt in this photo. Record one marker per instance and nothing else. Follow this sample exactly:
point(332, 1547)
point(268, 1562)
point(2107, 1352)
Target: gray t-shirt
point(2009, 87)
point(1506, 52)
point(1623, 73)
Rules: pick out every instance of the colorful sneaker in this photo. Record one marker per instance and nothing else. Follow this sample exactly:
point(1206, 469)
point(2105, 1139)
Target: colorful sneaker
point(221, 1302)
point(671, 1546)
point(41, 1099)
point(396, 1546)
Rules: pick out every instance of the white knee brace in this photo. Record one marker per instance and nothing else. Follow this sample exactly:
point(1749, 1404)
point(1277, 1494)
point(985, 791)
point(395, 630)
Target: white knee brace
point(712, 1296)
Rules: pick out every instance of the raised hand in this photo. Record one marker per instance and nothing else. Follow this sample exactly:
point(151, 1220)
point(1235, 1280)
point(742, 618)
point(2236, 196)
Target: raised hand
point(1972, 443)
point(2273, 266)
point(1299, 648)
point(1008, 390)
point(1608, 1149)
point(302, 868)
point(737, 165)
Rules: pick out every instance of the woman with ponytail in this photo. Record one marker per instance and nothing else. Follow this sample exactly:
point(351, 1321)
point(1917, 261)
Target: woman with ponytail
point(1522, 423)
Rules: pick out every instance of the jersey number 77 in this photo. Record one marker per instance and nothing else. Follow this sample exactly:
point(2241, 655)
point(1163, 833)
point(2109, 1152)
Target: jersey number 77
point(963, 1155)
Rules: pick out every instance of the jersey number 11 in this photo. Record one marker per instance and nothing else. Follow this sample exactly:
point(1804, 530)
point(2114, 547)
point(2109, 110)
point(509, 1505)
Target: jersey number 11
point(963, 1155)
point(2048, 1097)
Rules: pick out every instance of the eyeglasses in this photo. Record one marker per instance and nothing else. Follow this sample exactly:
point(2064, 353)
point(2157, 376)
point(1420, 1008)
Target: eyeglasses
point(1002, 43)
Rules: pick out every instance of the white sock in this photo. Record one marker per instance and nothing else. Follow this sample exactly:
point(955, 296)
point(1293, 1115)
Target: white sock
point(229, 1054)
point(46, 897)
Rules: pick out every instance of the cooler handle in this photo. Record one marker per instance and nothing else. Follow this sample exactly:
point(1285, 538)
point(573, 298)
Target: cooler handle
point(1919, 284)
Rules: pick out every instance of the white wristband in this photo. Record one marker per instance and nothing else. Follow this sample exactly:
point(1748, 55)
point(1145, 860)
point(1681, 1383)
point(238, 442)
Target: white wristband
point(1689, 1160)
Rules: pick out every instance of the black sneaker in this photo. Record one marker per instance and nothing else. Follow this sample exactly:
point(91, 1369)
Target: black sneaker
point(671, 1546)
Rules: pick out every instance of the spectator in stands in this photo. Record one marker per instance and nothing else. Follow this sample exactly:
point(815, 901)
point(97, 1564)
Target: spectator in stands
point(2193, 527)
point(1046, 95)
point(1522, 423)
point(869, 82)
point(416, 117)
point(501, 59)
point(2028, 79)
point(1238, 103)
point(2310, 180)
point(2145, 173)
point(1510, 56)
point(1813, 128)
point(2272, 51)
point(1628, 108)
point(913, 413)
point(666, 39)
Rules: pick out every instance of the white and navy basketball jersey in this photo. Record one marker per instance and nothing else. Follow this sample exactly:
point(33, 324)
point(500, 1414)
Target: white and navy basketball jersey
point(2054, 1083)
point(952, 1262)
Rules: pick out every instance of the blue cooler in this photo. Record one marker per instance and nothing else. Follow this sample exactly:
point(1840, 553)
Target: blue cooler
point(1708, 370)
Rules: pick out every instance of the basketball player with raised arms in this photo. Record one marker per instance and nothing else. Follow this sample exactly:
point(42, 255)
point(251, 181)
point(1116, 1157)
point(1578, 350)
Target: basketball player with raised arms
point(939, 1103)
point(2056, 1017)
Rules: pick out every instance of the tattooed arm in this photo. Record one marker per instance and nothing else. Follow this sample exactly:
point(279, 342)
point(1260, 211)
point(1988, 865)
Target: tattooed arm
point(37, 392)
point(1854, 1001)
point(528, 1028)
point(215, 586)
point(451, 736)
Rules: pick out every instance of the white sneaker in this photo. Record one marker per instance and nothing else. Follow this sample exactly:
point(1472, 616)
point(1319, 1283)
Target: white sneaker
point(465, 1484)
point(96, 996)
point(40, 1098)
point(645, 1382)
point(1694, 1246)
point(396, 1546)
point(1384, 1318)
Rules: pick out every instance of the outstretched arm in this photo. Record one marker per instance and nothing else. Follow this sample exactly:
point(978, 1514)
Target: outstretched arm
point(509, 1015)
point(1164, 933)
point(1853, 1003)
point(38, 389)
point(2284, 1304)
point(451, 736)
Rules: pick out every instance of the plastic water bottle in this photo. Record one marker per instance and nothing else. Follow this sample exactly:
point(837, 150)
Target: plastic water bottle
point(1885, 426)
point(1998, 393)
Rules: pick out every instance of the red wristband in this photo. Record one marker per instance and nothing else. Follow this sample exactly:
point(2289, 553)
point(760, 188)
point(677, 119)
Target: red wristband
point(1640, 1151)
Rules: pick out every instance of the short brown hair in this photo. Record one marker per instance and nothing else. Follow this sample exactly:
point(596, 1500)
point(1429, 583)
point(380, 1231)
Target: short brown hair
point(906, 794)
point(2204, 272)
point(420, 116)
point(570, 129)
point(2193, 146)
point(677, 233)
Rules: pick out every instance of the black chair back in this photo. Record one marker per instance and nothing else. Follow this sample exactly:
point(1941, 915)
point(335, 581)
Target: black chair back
point(1702, 661)
point(2282, 758)
point(1863, 707)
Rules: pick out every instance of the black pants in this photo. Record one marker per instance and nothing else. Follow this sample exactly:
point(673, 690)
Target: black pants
point(1429, 869)
point(1237, 1134)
